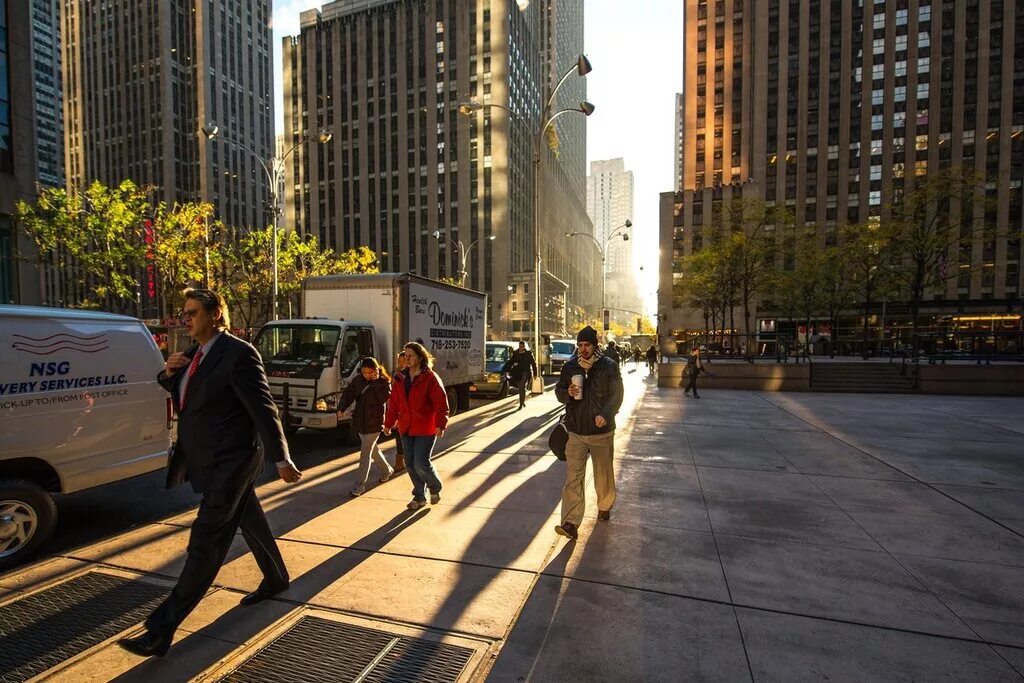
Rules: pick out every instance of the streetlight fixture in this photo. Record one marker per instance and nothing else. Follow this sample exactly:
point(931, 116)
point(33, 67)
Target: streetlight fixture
point(582, 67)
point(464, 252)
point(604, 248)
point(274, 168)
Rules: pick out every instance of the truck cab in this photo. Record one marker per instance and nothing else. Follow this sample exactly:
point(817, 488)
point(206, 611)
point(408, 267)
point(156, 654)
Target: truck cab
point(309, 362)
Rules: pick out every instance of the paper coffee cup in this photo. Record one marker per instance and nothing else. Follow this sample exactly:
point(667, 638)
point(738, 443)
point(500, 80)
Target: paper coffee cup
point(577, 381)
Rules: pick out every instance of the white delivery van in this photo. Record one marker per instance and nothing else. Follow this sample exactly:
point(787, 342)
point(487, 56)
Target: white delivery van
point(79, 406)
point(311, 360)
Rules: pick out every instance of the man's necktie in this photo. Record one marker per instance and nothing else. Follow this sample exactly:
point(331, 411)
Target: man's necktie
point(191, 371)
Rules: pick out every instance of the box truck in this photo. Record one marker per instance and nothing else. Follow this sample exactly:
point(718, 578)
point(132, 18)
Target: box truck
point(312, 359)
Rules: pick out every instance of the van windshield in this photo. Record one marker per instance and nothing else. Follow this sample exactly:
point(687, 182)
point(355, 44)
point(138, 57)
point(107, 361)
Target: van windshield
point(497, 353)
point(293, 347)
point(563, 348)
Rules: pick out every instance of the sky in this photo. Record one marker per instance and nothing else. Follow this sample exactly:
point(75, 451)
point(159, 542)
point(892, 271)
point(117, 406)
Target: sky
point(636, 49)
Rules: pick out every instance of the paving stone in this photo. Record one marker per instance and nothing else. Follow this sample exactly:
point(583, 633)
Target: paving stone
point(987, 596)
point(783, 648)
point(581, 631)
point(838, 583)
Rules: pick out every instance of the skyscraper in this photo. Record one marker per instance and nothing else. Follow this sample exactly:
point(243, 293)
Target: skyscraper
point(49, 114)
point(19, 281)
point(141, 79)
point(834, 108)
point(610, 205)
point(388, 78)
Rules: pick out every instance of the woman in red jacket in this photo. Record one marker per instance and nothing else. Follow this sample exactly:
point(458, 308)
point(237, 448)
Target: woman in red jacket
point(419, 407)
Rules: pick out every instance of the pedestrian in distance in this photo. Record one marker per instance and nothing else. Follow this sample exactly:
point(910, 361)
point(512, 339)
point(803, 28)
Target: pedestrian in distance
point(370, 392)
point(590, 387)
point(636, 356)
point(652, 359)
point(521, 368)
point(220, 392)
point(694, 367)
point(418, 407)
point(612, 352)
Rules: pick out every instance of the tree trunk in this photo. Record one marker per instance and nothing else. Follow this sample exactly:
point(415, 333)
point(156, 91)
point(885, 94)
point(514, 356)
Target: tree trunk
point(749, 342)
point(867, 309)
point(732, 329)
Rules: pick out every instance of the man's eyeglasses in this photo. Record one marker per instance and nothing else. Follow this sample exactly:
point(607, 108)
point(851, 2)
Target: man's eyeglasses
point(188, 315)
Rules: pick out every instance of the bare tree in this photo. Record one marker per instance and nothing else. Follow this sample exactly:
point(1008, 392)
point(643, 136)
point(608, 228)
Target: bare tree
point(939, 214)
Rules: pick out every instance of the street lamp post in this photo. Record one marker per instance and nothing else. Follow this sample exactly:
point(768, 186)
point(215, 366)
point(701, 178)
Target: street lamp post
point(604, 249)
point(464, 253)
point(582, 67)
point(274, 168)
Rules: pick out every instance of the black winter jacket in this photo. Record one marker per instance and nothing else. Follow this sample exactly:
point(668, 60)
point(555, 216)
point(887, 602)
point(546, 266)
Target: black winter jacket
point(602, 395)
point(368, 416)
point(521, 365)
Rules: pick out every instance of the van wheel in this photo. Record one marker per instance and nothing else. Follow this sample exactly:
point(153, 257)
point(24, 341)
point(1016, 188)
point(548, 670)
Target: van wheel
point(503, 392)
point(28, 517)
point(453, 401)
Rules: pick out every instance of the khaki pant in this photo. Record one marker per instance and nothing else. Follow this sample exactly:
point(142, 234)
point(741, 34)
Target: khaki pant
point(601, 447)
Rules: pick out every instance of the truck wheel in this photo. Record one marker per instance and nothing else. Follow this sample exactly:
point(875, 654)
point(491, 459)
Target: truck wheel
point(503, 392)
point(28, 517)
point(462, 392)
point(453, 401)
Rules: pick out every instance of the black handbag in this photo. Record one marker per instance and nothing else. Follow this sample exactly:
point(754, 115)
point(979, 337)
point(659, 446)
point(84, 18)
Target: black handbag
point(559, 439)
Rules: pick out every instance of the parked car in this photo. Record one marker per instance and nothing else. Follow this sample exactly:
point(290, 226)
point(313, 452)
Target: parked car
point(79, 407)
point(496, 383)
point(561, 351)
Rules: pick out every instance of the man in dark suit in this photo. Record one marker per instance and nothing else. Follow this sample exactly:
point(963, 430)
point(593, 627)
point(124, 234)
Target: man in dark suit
point(223, 402)
point(521, 369)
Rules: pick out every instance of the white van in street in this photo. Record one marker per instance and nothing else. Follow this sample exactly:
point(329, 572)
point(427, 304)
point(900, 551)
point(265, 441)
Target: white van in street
point(79, 407)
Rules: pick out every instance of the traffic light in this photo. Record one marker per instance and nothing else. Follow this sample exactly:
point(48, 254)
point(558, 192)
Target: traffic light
point(607, 320)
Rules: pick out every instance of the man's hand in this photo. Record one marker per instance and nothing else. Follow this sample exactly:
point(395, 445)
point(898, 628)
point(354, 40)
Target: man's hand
point(440, 432)
point(387, 431)
point(175, 362)
point(289, 473)
point(574, 390)
point(600, 421)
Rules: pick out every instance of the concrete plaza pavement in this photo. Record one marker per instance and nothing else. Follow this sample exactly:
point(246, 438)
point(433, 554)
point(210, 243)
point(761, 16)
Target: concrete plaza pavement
point(760, 536)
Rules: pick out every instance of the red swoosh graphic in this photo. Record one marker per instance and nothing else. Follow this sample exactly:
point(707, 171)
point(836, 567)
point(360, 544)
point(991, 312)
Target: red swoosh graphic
point(61, 334)
point(72, 342)
point(37, 352)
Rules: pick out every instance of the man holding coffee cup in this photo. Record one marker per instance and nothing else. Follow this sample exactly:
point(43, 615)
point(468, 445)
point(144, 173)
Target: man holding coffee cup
point(590, 386)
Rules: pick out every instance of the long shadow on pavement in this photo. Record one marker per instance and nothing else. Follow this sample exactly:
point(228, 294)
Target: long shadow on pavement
point(246, 623)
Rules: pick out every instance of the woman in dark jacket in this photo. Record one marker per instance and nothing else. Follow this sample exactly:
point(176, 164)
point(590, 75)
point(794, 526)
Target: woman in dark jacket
point(370, 391)
point(419, 409)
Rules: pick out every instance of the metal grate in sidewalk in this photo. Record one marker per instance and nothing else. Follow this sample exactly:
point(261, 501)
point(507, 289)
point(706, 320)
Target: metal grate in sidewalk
point(316, 649)
point(46, 628)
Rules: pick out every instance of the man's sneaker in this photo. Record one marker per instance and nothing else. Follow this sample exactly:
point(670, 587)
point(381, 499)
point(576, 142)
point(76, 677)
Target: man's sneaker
point(357, 491)
point(386, 476)
point(567, 529)
point(604, 515)
point(416, 504)
point(435, 498)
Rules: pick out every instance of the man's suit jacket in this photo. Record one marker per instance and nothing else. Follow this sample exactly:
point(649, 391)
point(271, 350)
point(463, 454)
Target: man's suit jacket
point(228, 403)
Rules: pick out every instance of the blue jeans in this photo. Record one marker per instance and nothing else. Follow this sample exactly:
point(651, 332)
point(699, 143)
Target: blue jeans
point(418, 450)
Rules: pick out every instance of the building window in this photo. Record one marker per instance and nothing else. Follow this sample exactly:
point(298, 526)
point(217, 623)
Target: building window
point(6, 152)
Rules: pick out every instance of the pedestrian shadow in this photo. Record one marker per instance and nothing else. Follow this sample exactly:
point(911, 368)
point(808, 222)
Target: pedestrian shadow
point(246, 623)
point(535, 424)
